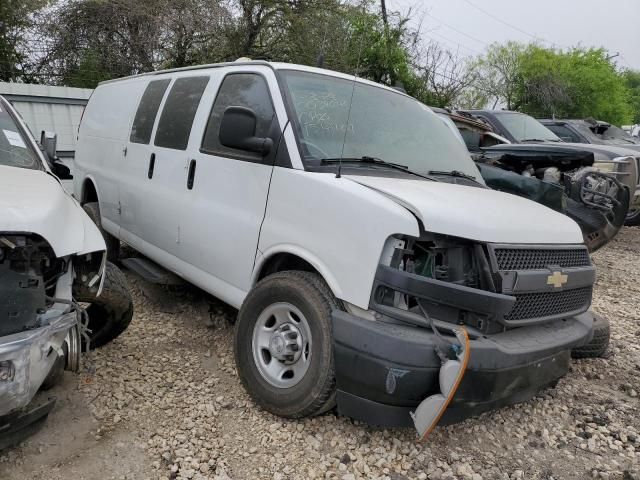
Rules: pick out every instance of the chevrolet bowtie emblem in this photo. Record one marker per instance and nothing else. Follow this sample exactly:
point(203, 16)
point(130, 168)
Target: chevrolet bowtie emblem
point(557, 279)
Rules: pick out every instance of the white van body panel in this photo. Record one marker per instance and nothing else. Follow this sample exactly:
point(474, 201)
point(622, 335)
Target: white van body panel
point(102, 138)
point(204, 280)
point(230, 194)
point(477, 213)
point(335, 224)
point(219, 234)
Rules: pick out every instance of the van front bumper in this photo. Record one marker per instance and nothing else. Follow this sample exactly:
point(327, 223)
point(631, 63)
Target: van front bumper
point(384, 370)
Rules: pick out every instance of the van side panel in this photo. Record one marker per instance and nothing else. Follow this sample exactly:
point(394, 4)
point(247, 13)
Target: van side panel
point(101, 140)
point(337, 225)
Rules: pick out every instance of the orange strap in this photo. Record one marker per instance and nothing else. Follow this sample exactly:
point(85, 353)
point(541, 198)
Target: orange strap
point(454, 389)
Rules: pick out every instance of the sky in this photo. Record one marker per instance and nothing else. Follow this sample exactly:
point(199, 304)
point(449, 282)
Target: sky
point(462, 26)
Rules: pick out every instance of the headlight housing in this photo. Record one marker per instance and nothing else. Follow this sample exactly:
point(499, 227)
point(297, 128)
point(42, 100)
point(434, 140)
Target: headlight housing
point(624, 169)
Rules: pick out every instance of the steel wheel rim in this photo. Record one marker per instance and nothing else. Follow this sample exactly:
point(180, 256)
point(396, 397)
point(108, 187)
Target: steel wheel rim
point(281, 344)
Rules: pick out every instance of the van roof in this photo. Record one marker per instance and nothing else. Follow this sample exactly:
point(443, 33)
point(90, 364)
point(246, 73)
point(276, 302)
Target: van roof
point(272, 65)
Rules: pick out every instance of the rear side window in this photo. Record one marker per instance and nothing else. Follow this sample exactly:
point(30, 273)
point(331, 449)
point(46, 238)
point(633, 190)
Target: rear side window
point(178, 112)
point(248, 90)
point(147, 111)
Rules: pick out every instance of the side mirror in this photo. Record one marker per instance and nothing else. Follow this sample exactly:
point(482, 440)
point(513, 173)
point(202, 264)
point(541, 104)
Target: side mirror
point(238, 130)
point(61, 171)
point(49, 142)
point(48, 145)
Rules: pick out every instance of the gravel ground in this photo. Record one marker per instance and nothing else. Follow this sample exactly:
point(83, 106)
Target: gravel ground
point(164, 401)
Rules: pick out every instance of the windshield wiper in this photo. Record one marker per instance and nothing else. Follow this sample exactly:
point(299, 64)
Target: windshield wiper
point(525, 140)
point(375, 161)
point(455, 173)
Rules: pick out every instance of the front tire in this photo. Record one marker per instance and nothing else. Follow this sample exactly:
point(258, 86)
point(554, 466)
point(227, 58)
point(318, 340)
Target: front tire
point(598, 345)
point(283, 344)
point(111, 312)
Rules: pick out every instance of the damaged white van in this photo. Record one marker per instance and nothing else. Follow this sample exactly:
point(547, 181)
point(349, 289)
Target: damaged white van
point(372, 267)
point(57, 292)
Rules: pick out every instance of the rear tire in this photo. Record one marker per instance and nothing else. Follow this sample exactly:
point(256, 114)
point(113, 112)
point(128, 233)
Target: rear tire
point(295, 390)
point(113, 244)
point(598, 345)
point(109, 313)
point(633, 218)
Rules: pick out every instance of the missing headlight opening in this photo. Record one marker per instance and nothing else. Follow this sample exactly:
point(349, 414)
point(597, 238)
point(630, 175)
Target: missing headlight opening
point(443, 259)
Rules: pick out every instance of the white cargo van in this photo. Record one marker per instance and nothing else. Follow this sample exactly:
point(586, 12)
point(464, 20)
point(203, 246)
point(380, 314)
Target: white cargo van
point(352, 230)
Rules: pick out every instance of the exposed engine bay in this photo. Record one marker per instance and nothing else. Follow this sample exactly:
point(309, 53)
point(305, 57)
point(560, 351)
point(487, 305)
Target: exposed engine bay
point(565, 182)
point(449, 260)
point(29, 272)
point(41, 327)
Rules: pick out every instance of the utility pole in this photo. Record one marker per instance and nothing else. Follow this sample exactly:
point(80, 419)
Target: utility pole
point(383, 7)
point(385, 21)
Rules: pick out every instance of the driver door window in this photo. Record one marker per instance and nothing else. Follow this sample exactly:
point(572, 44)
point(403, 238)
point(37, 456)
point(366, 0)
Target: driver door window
point(247, 90)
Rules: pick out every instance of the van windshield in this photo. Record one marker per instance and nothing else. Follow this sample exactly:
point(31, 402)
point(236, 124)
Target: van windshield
point(371, 122)
point(15, 149)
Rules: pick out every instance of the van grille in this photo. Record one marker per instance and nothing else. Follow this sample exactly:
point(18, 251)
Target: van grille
point(536, 259)
point(546, 304)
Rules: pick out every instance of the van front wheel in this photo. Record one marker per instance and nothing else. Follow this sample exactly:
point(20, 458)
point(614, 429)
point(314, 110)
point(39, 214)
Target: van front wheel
point(283, 344)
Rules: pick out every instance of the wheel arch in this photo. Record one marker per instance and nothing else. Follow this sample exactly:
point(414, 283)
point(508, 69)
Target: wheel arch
point(291, 257)
point(89, 191)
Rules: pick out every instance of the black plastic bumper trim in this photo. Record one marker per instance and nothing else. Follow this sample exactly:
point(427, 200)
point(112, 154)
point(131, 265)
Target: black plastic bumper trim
point(396, 365)
point(443, 293)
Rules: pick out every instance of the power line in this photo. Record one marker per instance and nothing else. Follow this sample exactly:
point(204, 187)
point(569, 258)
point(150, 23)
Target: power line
point(624, 60)
point(456, 30)
point(498, 19)
point(453, 42)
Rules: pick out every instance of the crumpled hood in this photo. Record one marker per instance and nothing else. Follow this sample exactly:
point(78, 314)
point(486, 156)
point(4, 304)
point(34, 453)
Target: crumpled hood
point(476, 213)
point(32, 201)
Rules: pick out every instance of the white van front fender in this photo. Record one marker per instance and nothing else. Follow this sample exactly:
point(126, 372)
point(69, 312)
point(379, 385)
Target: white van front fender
point(302, 253)
point(343, 226)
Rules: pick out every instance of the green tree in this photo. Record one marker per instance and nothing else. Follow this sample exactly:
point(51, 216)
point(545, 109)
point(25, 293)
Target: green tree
point(16, 19)
point(89, 72)
point(545, 82)
point(578, 83)
point(92, 40)
point(499, 74)
point(632, 79)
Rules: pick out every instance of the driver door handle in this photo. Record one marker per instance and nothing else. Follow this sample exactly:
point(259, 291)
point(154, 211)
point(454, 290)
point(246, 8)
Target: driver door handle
point(152, 164)
point(192, 174)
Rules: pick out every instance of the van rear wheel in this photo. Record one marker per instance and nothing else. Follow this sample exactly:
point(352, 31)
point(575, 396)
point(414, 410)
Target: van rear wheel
point(113, 244)
point(283, 344)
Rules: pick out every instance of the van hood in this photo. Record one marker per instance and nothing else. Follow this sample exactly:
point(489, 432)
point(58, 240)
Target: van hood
point(33, 201)
point(476, 213)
